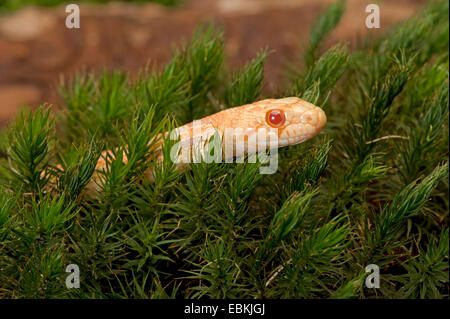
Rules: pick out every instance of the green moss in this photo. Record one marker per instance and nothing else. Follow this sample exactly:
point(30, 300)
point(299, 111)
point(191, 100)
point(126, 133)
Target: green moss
point(372, 190)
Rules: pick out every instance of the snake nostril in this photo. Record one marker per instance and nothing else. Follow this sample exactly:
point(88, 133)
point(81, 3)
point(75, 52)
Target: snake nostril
point(310, 118)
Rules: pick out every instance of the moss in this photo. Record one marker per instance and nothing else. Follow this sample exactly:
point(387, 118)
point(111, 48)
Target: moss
point(373, 189)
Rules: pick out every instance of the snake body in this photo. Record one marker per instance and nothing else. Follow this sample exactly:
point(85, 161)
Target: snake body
point(282, 122)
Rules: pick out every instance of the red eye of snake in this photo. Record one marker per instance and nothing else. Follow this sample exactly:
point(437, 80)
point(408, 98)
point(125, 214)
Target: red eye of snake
point(275, 118)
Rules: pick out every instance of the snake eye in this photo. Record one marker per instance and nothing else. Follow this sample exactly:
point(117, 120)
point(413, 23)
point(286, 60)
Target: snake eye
point(275, 118)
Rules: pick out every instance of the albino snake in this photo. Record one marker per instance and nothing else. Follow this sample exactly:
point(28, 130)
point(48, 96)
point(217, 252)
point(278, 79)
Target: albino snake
point(289, 121)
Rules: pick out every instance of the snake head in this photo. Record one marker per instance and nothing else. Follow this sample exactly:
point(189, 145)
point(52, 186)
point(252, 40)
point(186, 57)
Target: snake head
point(292, 119)
point(270, 123)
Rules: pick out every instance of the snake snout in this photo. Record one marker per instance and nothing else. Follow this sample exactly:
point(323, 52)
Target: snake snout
point(315, 117)
point(321, 119)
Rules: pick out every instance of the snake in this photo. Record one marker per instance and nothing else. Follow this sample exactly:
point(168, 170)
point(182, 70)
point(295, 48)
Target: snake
point(282, 122)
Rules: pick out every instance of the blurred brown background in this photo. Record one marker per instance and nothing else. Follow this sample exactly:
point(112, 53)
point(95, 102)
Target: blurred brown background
point(36, 48)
